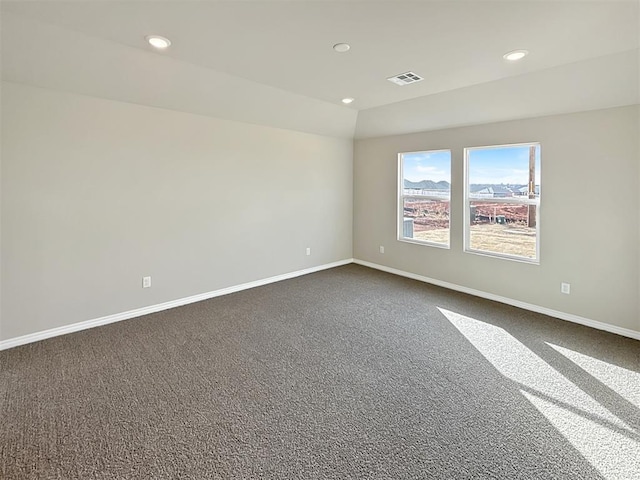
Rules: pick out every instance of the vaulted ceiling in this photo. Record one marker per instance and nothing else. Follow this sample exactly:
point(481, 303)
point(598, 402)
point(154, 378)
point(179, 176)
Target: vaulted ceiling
point(272, 62)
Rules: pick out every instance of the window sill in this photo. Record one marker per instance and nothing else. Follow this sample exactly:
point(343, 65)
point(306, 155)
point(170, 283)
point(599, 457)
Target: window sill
point(500, 256)
point(424, 243)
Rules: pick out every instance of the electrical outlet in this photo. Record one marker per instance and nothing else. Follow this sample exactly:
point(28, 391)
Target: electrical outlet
point(308, 251)
point(565, 288)
point(146, 282)
point(381, 249)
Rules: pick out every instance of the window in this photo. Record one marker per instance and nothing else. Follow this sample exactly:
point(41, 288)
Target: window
point(502, 201)
point(424, 193)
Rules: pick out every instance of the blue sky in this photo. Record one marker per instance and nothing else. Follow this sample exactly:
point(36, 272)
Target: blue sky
point(508, 165)
point(502, 165)
point(434, 166)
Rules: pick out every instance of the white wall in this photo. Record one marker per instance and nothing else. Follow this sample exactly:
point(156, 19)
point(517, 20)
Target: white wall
point(589, 242)
point(97, 193)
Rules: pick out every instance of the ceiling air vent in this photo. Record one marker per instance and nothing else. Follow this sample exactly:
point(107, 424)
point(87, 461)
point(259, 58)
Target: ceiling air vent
point(405, 78)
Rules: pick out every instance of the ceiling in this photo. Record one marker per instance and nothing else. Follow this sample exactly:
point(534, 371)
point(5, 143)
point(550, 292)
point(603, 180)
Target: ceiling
point(287, 46)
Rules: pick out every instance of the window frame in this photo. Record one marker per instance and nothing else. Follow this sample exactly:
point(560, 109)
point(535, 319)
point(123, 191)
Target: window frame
point(509, 201)
point(401, 197)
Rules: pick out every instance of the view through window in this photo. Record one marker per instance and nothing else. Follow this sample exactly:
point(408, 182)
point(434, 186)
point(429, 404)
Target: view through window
point(425, 191)
point(502, 200)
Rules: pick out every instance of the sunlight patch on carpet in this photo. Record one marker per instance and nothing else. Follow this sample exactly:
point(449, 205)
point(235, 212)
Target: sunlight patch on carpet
point(606, 441)
point(623, 381)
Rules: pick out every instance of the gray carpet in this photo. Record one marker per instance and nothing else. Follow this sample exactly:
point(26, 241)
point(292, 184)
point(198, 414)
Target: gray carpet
point(344, 373)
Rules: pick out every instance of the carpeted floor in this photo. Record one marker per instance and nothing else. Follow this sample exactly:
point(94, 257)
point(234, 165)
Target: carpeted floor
point(344, 373)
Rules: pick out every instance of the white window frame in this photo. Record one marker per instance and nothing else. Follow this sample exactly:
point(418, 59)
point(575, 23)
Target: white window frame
point(509, 201)
point(402, 197)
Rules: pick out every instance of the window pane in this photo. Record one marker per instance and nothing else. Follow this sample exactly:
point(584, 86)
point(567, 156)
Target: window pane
point(503, 228)
point(503, 172)
point(426, 220)
point(426, 174)
point(499, 180)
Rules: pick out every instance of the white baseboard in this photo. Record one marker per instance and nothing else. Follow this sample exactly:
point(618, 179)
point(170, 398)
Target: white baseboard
point(138, 312)
point(75, 327)
point(625, 332)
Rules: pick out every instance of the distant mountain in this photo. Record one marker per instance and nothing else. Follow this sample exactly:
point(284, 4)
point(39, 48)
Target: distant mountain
point(427, 185)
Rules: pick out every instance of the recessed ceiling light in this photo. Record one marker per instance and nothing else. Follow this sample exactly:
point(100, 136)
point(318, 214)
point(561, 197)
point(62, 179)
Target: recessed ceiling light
point(347, 100)
point(515, 55)
point(158, 42)
point(341, 47)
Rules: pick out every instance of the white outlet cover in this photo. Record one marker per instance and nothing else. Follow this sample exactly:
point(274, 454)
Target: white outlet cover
point(565, 288)
point(381, 249)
